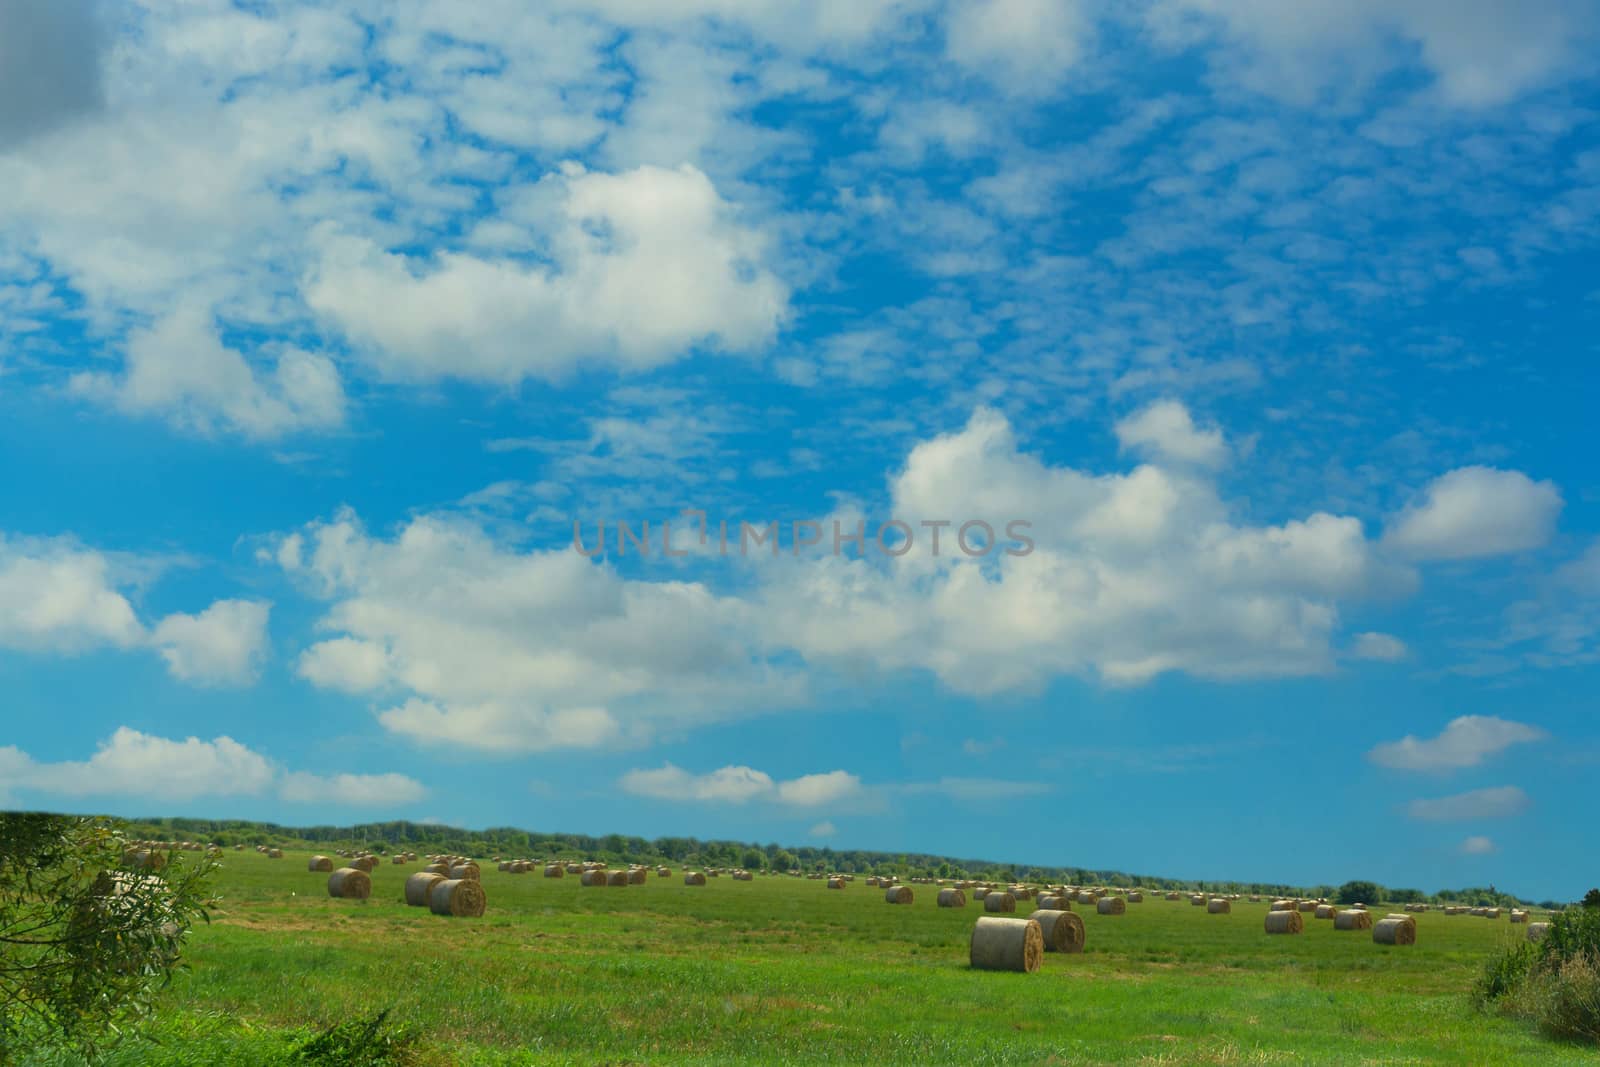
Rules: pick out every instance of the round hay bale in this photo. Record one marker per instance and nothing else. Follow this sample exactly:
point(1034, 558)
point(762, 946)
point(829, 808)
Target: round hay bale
point(952, 898)
point(743, 876)
point(663, 872)
point(1174, 896)
point(1111, 906)
point(979, 892)
point(1135, 897)
point(1218, 906)
point(1284, 922)
point(419, 885)
point(462, 898)
point(835, 883)
point(1197, 900)
point(592, 877)
point(554, 870)
point(693, 878)
point(442, 870)
point(464, 872)
point(397, 859)
point(365, 863)
point(1054, 902)
point(1354, 919)
point(1537, 931)
point(320, 865)
point(998, 902)
point(638, 877)
point(898, 894)
point(348, 883)
point(1006, 945)
point(1308, 906)
point(1395, 930)
point(1063, 930)
point(1328, 911)
point(1491, 913)
point(617, 878)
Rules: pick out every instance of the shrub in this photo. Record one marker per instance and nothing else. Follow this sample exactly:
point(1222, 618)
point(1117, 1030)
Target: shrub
point(1358, 892)
point(358, 1043)
point(1573, 933)
point(1565, 1001)
point(1591, 899)
point(1504, 974)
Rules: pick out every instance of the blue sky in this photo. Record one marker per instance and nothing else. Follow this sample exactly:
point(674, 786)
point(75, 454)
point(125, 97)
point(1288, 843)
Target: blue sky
point(322, 325)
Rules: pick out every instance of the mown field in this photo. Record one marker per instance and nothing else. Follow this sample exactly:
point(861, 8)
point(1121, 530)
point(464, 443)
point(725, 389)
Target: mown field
point(784, 970)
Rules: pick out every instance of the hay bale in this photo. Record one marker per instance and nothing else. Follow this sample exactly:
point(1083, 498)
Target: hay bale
point(1354, 919)
point(320, 865)
point(952, 898)
point(1198, 900)
point(638, 877)
point(1006, 945)
point(1328, 911)
point(397, 859)
point(1218, 906)
point(663, 872)
point(1111, 906)
point(693, 878)
point(367, 864)
point(1055, 902)
point(1395, 930)
point(419, 885)
point(592, 878)
point(1491, 913)
point(462, 898)
point(1062, 930)
point(1174, 896)
point(898, 894)
point(1284, 922)
point(348, 883)
point(1537, 931)
point(617, 878)
point(1308, 906)
point(835, 883)
point(464, 872)
point(998, 902)
point(554, 870)
point(441, 869)
point(1135, 897)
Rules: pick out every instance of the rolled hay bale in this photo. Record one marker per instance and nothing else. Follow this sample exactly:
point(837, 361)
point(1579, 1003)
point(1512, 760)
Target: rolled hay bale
point(367, 864)
point(592, 878)
point(274, 853)
point(1395, 930)
point(1353, 919)
point(1518, 916)
point(1087, 896)
point(419, 885)
point(1053, 902)
point(981, 891)
point(1218, 906)
point(1135, 897)
point(1308, 906)
point(397, 860)
point(440, 869)
point(639, 877)
point(1197, 900)
point(1537, 931)
point(663, 872)
point(1174, 896)
point(348, 883)
point(898, 894)
point(1006, 945)
point(143, 859)
point(462, 898)
point(1063, 930)
point(320, 865)
point(1491, 913)
point(999, 902)
point(554, 870)
point(743, 876)
point(835, 883)
point(618, 878)
point(955, 898)
point(1254, 899)
point(1111, 906)
point(1328, 911)
point(1284, 922)
point(464, 872)
point(1282, 905)
point(693, 878)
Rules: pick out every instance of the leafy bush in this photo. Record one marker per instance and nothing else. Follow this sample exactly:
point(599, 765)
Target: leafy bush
point(1565, 1001)
point(358, 1043)
point(1573, 933)
point(1555, 982)
point(1358, 892)
point(1504, 974)
point(1591, 899)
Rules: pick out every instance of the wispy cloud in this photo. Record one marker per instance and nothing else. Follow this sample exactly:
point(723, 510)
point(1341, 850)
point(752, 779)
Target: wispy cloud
point(1464, 742)
point(1500, 802)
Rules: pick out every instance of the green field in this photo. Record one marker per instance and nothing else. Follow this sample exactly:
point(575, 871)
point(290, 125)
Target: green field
point(784, 970)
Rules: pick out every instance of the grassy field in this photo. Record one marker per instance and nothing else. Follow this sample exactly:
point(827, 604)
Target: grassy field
point(785, 970)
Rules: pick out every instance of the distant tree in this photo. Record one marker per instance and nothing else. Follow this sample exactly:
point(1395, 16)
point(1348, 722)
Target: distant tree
point(1358, 892)
point(1405, 896)
point(85, 941)
point(944, 869)
point(753, 859)
point(1591, 899)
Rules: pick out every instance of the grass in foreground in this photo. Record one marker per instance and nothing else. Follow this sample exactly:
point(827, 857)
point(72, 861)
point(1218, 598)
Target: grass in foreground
point(784, 970)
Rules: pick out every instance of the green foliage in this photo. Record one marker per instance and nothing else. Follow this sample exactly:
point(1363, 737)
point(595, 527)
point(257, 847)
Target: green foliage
point(1358, 892)
point(359, 1043)
point(1573, 933)
point(1504, 973)
point(1565, 1000)
point(1591, 899)
point(85, 942)
point(1556, 982)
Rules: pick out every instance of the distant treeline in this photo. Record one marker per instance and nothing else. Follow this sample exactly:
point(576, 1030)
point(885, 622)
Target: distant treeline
point(382, 837)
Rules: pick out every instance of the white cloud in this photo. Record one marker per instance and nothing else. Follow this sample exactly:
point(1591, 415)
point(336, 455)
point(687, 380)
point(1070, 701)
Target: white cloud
point(498, 650)
point(1465, 742)
point(823, 829)
point(50, 56)
point(1477, 846)
point(134, 764)
point(137, 764)
point(1499, 802)
point(1476, 511)
point(1385, 648)
point(644, 266)
point(814, 790)
point(223, 645)
point(351, 790)
point(180, 369)
point(1165, 430)
point(1025, 46)
point(1481, 54)
point(739, 785)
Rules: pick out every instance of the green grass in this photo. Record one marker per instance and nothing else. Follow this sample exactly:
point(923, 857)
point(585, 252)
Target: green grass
point(785, 970)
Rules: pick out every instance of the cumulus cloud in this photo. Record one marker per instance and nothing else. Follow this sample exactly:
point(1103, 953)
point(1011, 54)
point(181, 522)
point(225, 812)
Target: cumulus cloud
point(1385, 648)
point(1500, 802)
point(740, 784)
point(814, 790)
point(223, 645)
point(135, 764)
point(57, 596)
point(1026, 46)
point(642, 267)
point(1477, 846)
point(1464, 742)
point(1473, 512)
point(49, 66)
point(1165, 430)
point(499, 650)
